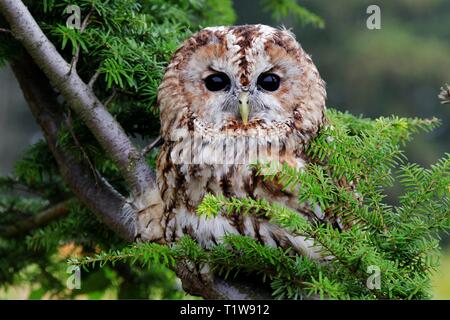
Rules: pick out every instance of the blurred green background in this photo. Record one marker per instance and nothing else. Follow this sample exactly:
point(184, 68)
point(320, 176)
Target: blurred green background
point(395, 70)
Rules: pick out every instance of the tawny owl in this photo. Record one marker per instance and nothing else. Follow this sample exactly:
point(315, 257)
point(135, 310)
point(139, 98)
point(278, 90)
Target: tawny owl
point(230, 92)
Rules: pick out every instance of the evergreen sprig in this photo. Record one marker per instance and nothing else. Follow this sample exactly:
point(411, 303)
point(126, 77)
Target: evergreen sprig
point(352, 160)
point(290, 8)
point(398, 241)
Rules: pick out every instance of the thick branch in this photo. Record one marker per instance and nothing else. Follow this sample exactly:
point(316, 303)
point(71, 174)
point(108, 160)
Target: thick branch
point(210, 286)
point(41, 219)
point(97, 194)
point(79, 97)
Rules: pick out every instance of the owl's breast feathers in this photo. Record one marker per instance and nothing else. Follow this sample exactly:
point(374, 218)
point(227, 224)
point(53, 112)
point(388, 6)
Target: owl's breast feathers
point(184, 179)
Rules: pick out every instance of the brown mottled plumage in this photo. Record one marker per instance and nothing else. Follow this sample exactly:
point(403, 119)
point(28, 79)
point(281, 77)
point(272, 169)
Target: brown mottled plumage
point(197, 123)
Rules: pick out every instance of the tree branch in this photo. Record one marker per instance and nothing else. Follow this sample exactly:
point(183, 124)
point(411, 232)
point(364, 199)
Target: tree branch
point(210, 286)
point(41, 219)
point(73, 65)
point(110, 98)
point(152, 145)
point(79, 97)
point(97, 194)
point(3, 30)
point(94, 79)
point(79, 146)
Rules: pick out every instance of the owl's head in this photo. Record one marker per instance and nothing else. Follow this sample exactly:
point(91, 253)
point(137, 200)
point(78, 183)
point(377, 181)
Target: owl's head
point(239, 78)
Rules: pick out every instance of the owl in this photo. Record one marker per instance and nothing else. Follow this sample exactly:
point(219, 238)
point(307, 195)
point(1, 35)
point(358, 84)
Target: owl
point(230, 96)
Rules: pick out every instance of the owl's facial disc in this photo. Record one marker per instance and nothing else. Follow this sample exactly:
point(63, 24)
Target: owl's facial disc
point(241, 77)
point(242, 102)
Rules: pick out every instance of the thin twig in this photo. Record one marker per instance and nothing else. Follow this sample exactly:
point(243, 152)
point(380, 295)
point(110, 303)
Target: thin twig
point(7, 33)
point(151, 146)
point(3, 30)
point(110, 98)
point(73, 64)
point(94, 79)
point(78, 144)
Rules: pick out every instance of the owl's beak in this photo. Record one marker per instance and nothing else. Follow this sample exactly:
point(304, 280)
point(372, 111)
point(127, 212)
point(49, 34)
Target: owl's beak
point(244, 108)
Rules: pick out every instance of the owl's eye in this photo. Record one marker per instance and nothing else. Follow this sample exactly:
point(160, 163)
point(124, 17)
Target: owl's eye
point(269, 81)
point(217, 81)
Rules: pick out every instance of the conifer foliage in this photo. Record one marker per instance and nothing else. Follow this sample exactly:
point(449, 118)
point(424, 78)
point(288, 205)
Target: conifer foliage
point(397, 243)
point(121, 50)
